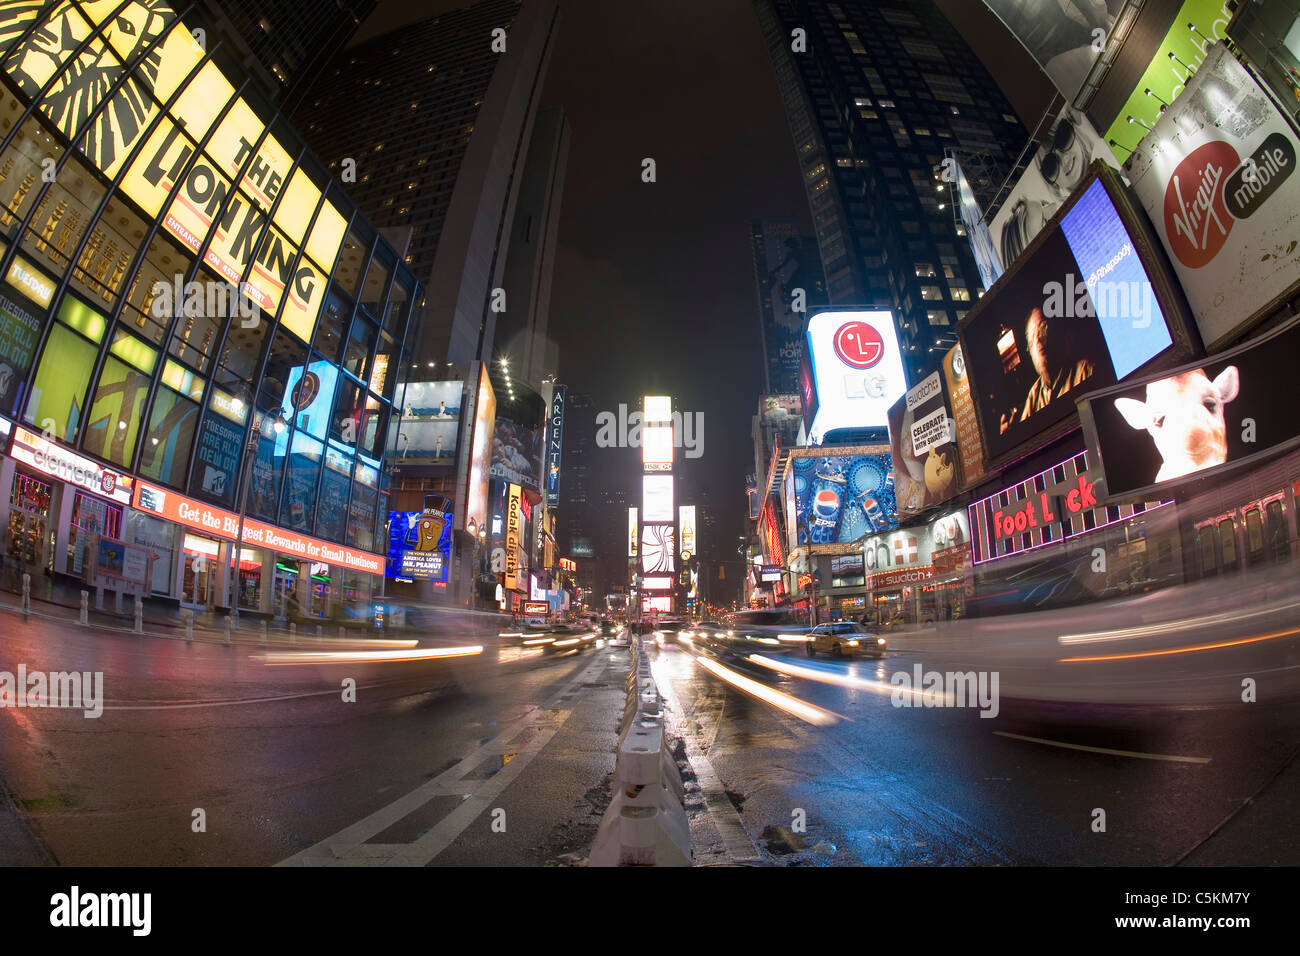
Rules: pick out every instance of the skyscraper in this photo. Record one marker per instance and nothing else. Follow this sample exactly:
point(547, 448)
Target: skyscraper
point(784, 261)
point(875, 92)
point(437, 116)
point(290, 41)
point(521, 328)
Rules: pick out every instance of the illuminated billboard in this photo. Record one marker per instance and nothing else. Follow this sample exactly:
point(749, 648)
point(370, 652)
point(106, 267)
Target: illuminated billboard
point(516, 452)
point(1060, 165)
point(1217, 177)
point(658, 548)
point(419, 545)
point(430, 423)
point(686, 522)
point(656, 499)
point(1085, 306)
point(239, 241)
point(1203, 419)
point(554, 445)
point(657, 447)
point(970, 448)
point(1047, 508)
point(631, 533)
point(922, 439)
point(857, 371)
point(480, 461)
point(838, 499)
point(658, 408)
point(514, 538)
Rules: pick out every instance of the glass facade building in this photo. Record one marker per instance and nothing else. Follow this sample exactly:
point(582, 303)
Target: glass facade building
point(195, 323)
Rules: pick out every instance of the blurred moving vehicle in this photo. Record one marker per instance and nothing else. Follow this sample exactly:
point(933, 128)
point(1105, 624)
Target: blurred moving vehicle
point(614, 633)
point(769, 631)
point(569, 637)
point(668, 632)
point(845, 639)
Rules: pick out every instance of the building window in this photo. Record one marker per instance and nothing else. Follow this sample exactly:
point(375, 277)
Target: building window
point(931, 293)
point(937, 318)
point(924, 270)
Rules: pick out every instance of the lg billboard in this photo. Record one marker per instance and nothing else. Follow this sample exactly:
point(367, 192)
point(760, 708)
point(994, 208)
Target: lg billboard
point(856, 372)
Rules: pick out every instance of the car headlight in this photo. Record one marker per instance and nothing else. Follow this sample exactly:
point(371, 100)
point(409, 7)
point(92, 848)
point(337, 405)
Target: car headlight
point(731, 634)
point(880, 641)
point(853, 643)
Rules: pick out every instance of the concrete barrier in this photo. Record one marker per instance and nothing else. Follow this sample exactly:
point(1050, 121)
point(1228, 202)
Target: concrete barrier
point(645, 824)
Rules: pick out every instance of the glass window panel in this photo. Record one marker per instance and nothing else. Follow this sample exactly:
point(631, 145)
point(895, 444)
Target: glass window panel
point(332, 507)
point(197, 333)
point(218, 449)
point(268, 466)
point(265, 177)
point(311, 396)
point(345, 425)
point(199, 200)
point(202, 101)
point(101, 268)
point(398, 299)
point(373, 424)
point(20, 331)
point(182, 380)
point(241, 356)
point(361, 518)
point(348, 272)
point(273, 271)
point(58, 397)
point(235, 136)
point(357, 354)
point(300, 491)
point(165, 455)
point(116, 412)
point(21, 168)
point(134, 352)
point(333, 321)
point(372, 296)
point(297, 205)
point(143, 311)
point(326, 236)
point(231, 247)
point(286, 356)
point(61, 219)
point(381, 371)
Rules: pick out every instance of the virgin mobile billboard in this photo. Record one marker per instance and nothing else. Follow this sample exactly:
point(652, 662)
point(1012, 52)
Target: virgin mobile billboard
point(1198, 420)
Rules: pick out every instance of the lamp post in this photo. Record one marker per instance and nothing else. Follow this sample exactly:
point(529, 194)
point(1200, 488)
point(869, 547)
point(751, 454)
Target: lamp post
point(278, 425)
point(478, 531)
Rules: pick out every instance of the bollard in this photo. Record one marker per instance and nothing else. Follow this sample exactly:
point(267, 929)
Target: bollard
point(263, 631)
point(293, 633)
point(27, 595)
point(189, 626)
point(319, 633)
point(341, 634)
point(84, 618)
point(139, 616)
point(229, 625)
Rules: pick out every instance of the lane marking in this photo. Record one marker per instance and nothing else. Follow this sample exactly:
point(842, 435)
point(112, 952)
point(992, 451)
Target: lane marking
point(240, 701)
point(1191, 623)
point(348, 847)
point(1183, 650)
point(1103, 750)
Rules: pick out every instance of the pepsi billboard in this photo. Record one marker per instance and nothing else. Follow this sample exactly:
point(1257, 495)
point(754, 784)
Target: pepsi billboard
point(838, 499)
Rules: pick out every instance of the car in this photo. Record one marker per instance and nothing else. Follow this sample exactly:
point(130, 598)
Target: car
point(668, 632)
point(768, 631)
point(569, 637)
point(613, 633)
point(845, 639)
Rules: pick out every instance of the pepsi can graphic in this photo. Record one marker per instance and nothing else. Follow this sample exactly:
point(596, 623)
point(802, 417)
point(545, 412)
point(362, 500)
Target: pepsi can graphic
point(889, 485)
point(825, 516)
point(875, 514)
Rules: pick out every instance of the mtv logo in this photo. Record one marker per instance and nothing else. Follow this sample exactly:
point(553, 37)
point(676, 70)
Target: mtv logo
point(214, 480)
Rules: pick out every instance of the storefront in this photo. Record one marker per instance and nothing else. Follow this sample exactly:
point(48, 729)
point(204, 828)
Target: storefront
point(1247, 522)
point(1045, 542)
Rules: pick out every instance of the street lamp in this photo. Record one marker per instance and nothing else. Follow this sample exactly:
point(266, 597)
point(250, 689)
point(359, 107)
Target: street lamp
point(477, 530)
point(278, 424)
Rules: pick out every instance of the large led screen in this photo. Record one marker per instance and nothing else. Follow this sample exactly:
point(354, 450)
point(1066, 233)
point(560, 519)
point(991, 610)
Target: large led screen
point(480, 462)
point(419, 545)
point(1201, 419)
point(1077, 313)
point(657, 499)
point(517, 453)
point(922, 439)
point(838, 499)
point(857, 371)
point(430, 423)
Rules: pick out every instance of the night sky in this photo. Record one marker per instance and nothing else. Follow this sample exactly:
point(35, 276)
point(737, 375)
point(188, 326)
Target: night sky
point(654, 288)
